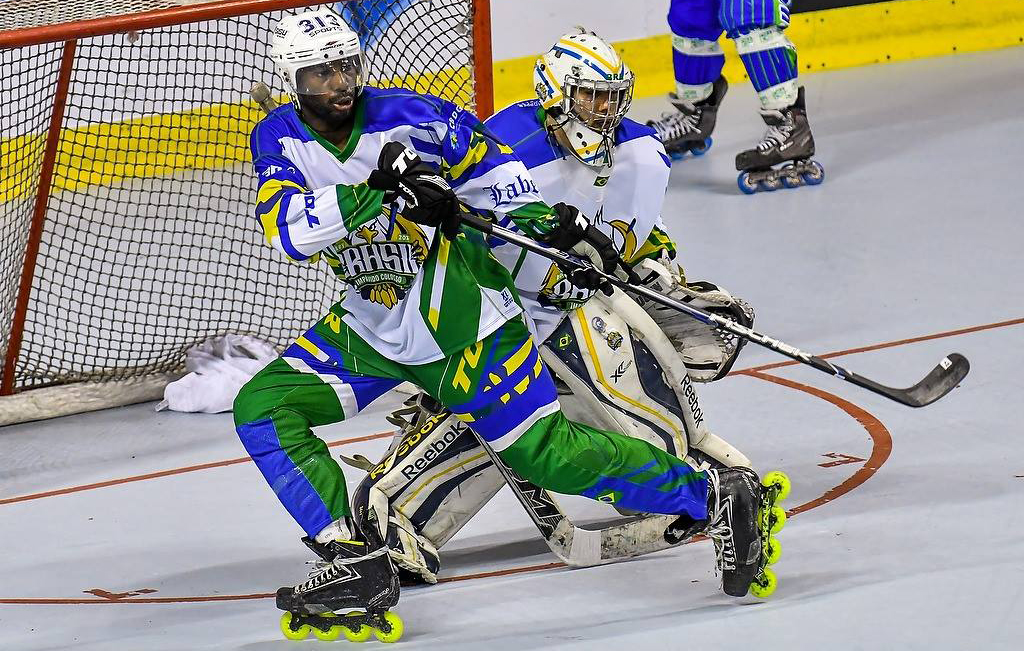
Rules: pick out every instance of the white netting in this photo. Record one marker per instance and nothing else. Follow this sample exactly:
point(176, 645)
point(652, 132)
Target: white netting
point(149, 245)
point(17, 14)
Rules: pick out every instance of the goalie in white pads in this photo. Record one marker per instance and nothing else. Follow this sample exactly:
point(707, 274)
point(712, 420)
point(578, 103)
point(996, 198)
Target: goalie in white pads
point(618, 365)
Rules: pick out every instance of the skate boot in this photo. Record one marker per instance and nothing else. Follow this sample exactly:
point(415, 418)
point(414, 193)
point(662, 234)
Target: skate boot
point(742, 517)
point(788, 140)
point(352, 575)
point(688, 129)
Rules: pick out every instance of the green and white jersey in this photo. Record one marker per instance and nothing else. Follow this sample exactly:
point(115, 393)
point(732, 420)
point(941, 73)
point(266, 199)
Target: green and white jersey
point(411, 294)
point(624, 201)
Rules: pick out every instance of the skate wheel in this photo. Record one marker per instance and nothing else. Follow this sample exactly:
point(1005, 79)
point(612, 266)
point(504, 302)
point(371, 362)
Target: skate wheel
point(746, 185)
point(764, 585)
point(330, 635)
point(360, 634)
point(772, 551)
point(301, 633)
point(771, 184)
point(815, 175)
point(776, 519)
point(677, 155)
point(397, 628)
point(779, 481)
point(701, 149)
point(791, 182)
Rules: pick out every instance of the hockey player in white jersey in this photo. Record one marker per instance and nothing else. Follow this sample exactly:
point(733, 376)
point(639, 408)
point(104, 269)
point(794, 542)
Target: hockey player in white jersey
point(581, 149)
point(367, 180)
point(618, 365)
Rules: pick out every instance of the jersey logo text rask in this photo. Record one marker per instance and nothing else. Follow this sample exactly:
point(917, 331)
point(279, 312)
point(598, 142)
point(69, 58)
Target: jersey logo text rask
point(381, 271)
point(504, 194)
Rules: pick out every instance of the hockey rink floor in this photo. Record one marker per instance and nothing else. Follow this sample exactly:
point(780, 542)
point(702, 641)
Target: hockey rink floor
point(134, 530)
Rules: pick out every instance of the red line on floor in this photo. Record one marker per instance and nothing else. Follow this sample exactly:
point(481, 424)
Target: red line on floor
point(258, 595)
point(881, 447)
point(746, 371)
point(168, 473)
point(140, 600)
point(890, 344)
point(880, 438)
point(511, 570)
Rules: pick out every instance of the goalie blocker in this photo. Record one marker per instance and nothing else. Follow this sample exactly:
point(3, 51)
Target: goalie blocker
point(615, 369)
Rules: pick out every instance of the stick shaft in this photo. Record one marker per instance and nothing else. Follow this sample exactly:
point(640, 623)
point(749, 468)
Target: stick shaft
point(712, 320)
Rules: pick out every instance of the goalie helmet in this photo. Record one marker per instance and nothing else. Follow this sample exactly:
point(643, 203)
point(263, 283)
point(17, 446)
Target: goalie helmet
point(311, 42)
point(586, 87)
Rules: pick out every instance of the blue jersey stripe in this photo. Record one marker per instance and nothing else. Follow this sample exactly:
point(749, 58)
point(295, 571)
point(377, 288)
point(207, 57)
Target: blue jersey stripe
point(282, 226)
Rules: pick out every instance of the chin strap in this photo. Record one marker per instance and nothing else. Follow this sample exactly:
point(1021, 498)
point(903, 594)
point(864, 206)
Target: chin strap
point(559, 120)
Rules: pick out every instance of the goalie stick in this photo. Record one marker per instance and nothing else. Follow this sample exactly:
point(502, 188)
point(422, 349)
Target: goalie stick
point(573, 544)
point(942, 379)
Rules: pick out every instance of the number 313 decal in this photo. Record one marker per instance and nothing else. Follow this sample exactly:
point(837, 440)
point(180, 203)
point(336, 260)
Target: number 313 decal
point(308, 25)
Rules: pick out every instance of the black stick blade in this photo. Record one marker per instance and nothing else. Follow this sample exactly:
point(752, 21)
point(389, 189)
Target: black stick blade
point(944, 377)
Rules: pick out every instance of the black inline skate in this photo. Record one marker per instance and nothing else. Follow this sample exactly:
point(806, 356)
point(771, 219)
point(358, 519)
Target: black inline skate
point(788, 140)
point(689, 128)
point(353, 576)
point(742, 517)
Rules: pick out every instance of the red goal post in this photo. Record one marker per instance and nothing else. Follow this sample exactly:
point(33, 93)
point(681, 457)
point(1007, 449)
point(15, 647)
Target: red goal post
point(126, 192)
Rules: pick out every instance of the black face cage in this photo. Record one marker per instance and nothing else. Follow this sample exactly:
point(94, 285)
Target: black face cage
point(620, 96)
point(353, 65)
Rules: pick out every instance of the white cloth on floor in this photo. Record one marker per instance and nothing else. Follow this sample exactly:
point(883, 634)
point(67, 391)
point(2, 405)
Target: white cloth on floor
point(218, 368)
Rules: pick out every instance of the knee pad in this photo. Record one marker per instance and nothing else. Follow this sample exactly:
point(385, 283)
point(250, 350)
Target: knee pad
point(762, 40)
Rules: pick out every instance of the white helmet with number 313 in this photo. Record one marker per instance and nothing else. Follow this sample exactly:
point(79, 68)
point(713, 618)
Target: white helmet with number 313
point(586, 88)
point(315, 38)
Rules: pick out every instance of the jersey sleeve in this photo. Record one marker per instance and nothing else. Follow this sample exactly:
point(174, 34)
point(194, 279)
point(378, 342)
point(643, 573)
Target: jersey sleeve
point(487, 175)
point(300, 222)
point(654, 168)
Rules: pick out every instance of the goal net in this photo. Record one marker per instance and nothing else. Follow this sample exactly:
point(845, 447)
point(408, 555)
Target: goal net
point(126, 195)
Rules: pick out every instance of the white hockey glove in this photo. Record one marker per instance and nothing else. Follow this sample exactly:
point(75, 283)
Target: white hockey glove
point(708, 353)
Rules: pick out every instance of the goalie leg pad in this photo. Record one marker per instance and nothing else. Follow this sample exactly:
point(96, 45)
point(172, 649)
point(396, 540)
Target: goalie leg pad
point(662, 374)
point(620, 372)
point(625, 375)
point(425, 489)
point(616, 380)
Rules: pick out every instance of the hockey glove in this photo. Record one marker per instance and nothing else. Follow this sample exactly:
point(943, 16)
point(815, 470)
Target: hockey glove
point(575, 234)
point(429, 200)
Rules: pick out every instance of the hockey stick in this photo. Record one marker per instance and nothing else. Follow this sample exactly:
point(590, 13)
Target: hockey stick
point(942, 379)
